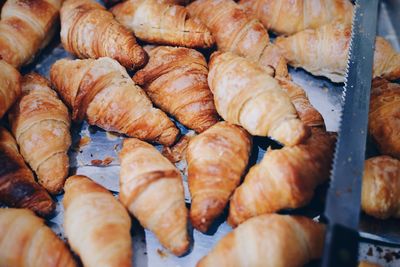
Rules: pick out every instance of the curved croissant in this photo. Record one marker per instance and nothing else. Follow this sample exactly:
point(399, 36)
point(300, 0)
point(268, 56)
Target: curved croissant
point(216, 159)
point(235, 32)
point(381, 187)
point(151, 189)
point(269, 240)
point(384, 117)
point(17, 184)
point(323, 52)
point(88, 30)
point(102, 92)
point(246, 95)
point(175, 79)
point(40, 123)
point(26, 26)
point(162, 23)
point(284, 179)
point(96, 224)
point(289, 17)
point(10, 86)
point(25, 241)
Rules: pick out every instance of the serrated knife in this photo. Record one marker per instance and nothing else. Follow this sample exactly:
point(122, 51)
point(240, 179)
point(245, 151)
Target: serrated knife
point(342, 208)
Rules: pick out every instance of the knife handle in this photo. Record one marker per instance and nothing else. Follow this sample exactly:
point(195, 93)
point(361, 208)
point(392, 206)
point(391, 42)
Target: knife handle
point(341, 247)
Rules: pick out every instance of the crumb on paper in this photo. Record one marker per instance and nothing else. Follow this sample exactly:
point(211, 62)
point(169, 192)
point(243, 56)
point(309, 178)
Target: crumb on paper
point(105, 162)
point(85, 140)
point(115, 147)
point(162, 253)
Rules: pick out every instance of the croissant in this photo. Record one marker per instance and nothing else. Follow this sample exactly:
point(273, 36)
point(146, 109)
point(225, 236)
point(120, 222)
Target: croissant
point(17, 184)
point(88, 30)
point(288, 16)
point(269, 240)
point(216, 161)
point(102, 92)
point(235, 32)
point(162, 23)
point(323, 52)
point(151, 189)
point(368, 264)
point(26, 26)
point(381, 187)
point(384, 117)
point(96, 224)
point(40, 122)
point(10, 86)
point(26, 241)
point(175, 79)
point(246, 95)
point(284, 179)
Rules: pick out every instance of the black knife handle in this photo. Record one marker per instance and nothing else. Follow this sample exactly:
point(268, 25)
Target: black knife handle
point(341, 247)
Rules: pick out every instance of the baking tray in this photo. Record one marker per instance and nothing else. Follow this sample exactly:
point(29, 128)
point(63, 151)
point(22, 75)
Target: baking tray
point(95, 153)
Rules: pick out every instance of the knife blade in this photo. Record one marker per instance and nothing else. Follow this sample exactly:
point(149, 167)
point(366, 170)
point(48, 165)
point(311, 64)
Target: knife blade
point(344, 195)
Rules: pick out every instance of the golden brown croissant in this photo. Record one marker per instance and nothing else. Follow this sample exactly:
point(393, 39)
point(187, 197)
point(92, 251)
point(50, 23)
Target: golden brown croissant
point(25, 241)
point(288, 16)
point(88, 30)
point(102, 92)
point(162, 23)
point(96, 224)
point(269, 240)
point(26, 26)
point(284, 179)
point(17, 184)
point(40, 123)
point(323, 52)
point(10, 86)
point(216, 160)
point(381, 187)
point(368, 264)
point(175, 79)
point(246, 95)
point(235, 32)
point(384, 117)
point(151, 189)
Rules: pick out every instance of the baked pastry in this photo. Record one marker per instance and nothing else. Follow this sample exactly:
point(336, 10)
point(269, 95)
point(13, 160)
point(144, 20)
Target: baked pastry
point(246, 95)
point(381, 187)
point(175, 79)
point(151, 189)
point(162, 23)
point(96, 224)
point(102, 92)
point(26, 26)
point(10, 86)
point(284, 179)
point(88, 30)
point(40, 123)
point(17, 184)
point(216, 160)
point(25, 241)
point(269, 240)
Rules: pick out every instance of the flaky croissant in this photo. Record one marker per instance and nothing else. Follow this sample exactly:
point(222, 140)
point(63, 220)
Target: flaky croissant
point(384, 117)
point(40, 123)
point(246, 95)
point(288, 16)
point(235, 32)
point(88, 30)
point(269, 240)
point(17, 184)
point(323, 52)
point(26, 26)
point(102, 92)
point(284, 179)
point(175, 79)
point(10, 86)
point(216, 159)
point(96, 224)
point(156, 22)
point(381, 187)
point(151, 189)
point(25, 241)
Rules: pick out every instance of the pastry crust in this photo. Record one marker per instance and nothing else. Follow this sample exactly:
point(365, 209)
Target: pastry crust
point(10, 86)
